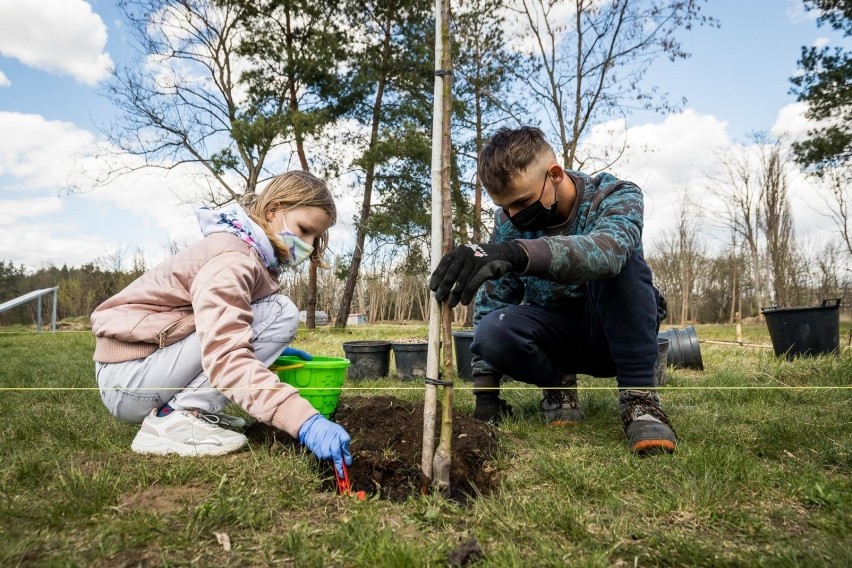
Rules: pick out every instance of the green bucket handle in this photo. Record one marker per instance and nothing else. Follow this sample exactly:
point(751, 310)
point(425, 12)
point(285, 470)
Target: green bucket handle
point(276, 368)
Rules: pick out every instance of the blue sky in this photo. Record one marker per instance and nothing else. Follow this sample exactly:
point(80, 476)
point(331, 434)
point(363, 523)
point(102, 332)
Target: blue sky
point(52, 59)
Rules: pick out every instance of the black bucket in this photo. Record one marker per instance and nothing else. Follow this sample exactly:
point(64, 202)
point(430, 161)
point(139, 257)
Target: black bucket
point(684, 348)
point(464, 357)
point(370, 359)
point(410, 359)
point(806, 331)
point(660, 376)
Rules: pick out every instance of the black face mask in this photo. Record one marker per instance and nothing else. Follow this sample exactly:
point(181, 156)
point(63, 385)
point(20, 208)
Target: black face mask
point(535, 217)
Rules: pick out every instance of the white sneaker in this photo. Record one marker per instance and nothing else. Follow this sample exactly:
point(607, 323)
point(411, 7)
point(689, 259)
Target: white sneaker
point(182, 432)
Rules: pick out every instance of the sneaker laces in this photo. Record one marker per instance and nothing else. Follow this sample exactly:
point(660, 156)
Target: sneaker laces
point(221, 420)
point(635, 404)
point(555, 398)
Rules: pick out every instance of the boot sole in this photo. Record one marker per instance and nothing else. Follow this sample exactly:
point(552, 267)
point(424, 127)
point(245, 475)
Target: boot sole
point(563, 423)
point(648, 446)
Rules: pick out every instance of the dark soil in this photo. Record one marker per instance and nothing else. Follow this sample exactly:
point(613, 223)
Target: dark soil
point(387, 440)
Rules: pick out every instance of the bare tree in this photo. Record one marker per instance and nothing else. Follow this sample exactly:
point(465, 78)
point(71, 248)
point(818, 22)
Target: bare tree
point(837, 196)
point(678, 263)
point(775, 219)
point(825, 271)
point(587, 63)
point(181, 101)
point(737, 185)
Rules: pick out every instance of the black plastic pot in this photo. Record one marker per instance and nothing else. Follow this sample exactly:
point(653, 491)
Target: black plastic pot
point(370, 359)
point(410, 359)
point(461, 344)
point(660, 376)
point(684, 348)
point(805, 331)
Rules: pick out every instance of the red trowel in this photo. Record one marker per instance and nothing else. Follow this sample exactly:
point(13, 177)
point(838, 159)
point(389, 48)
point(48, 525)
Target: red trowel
point(345, 487)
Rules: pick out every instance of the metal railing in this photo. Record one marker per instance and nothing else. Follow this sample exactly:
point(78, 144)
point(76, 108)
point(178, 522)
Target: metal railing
point(35, 295)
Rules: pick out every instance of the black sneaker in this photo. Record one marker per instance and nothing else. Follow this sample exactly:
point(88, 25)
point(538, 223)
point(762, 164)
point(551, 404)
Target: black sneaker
point(561, 407)
point(645, 424)
point(492, 409)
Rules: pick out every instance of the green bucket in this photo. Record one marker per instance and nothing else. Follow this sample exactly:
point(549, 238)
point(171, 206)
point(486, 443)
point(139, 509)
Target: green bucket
point(318, 380)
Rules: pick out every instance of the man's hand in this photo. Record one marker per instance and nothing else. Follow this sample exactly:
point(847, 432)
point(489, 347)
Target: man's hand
point(464, 269)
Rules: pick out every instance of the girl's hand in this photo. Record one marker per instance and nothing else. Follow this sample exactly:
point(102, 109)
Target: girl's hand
point(327, 440)
point(297, 353)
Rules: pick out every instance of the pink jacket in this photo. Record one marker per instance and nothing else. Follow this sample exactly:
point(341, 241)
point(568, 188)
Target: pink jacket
point(207, 287)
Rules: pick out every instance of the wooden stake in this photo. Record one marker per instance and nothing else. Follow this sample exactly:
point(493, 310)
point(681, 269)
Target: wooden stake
point(443, 456)
point(434, 349)
point(736, 343)
point(739, 329)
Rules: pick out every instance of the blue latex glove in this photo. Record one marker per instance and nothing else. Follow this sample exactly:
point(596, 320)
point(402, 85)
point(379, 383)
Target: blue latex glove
point(327, 440)
point(297, 353)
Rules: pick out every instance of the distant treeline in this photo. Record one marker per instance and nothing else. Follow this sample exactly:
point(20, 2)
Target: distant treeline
point(699, 288)
point(80, 289)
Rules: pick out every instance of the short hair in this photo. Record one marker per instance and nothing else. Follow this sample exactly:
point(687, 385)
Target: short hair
point(508, 153)
point(287, 191)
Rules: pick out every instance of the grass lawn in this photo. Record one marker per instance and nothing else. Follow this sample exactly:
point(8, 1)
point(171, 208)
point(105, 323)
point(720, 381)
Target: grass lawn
point(761, 476)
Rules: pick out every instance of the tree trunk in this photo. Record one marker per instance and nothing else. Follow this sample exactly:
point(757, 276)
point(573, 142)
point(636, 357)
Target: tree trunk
point(361, 235)
point(311, 304)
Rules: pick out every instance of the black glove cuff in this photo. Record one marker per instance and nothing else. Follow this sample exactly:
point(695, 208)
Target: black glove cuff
point(520, 258)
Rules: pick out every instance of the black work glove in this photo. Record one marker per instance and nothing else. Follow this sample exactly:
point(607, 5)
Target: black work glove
point(464, 269)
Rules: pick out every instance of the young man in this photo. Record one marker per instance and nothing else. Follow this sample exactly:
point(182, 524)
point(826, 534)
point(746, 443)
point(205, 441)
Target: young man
point(566, 289)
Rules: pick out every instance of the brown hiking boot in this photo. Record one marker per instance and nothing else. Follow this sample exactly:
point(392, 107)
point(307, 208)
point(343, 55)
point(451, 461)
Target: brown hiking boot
point(646, 426)
point(561, 407)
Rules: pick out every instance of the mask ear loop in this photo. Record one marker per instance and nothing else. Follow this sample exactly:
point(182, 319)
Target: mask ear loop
point(552, 208)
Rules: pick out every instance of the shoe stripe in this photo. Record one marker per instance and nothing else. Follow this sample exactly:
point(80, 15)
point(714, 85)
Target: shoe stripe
point(654, 445)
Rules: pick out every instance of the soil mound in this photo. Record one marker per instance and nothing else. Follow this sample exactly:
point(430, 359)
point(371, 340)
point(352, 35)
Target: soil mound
point(387, 440)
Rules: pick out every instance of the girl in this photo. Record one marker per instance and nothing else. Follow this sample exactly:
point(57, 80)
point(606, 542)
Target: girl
point(202, 328)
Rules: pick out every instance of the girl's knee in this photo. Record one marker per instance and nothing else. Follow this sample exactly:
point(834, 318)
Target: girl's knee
point(277, 315)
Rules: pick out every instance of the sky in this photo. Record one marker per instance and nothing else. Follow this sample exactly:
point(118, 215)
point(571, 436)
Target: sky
point(54, 62)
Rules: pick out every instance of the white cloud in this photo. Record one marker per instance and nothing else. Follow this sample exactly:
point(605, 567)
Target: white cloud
point(17, 210)
point(677, 157)
point(65, 37)
point(821, 42)
point(40, 159)
point(146, 208)
point(796, 12)
point(4, 80)
point(666, 160)
point(791, 121)
point(36, 245)
point(792, 125)
point(42, 152)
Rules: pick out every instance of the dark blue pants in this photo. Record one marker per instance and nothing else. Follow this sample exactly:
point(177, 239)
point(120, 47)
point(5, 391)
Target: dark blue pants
point(610, 332)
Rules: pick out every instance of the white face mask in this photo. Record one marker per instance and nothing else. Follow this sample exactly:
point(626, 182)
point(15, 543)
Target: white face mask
point(300, 251)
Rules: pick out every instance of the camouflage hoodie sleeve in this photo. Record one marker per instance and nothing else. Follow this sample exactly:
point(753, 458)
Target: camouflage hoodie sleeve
point(604, 241)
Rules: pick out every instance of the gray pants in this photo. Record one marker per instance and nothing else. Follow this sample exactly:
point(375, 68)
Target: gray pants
point(173, 375)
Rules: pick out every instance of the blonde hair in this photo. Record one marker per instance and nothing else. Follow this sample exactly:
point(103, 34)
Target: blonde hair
point(288, 191)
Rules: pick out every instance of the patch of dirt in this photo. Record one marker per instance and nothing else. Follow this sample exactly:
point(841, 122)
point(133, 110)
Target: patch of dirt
point(134, 558)
point(81, 323)
point(165, 500)
point(387, 440)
